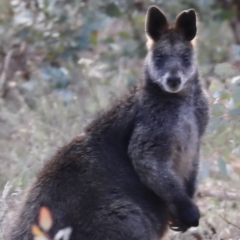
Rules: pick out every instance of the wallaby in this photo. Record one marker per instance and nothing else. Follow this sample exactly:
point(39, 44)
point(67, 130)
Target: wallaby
point(133, 172)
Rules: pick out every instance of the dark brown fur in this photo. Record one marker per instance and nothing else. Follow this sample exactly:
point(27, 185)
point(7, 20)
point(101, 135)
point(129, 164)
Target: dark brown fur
point(134, 169)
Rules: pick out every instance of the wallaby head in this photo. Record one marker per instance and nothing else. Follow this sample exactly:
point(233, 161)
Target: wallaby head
point(171, 61)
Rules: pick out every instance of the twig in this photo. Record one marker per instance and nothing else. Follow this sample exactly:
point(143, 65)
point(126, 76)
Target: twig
point(219, 195)
point(228, 222)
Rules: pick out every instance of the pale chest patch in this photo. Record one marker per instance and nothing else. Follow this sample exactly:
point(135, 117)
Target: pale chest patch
point(184, 148)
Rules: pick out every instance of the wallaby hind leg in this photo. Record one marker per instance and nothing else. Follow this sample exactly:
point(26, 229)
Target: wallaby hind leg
point(121, 221)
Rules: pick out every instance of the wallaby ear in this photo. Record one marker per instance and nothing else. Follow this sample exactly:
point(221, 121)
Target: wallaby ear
point(156, 23)
point(186, 22)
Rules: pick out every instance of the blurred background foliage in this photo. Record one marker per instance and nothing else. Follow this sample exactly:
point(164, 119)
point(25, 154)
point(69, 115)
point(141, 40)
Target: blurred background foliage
point(61, 61)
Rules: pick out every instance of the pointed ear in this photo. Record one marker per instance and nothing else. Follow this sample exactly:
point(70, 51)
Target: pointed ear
point(156, 23)
point(186, 22)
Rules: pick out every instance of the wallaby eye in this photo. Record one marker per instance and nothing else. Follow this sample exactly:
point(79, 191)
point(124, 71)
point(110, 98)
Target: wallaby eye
point(186, 59)
point(160, 58)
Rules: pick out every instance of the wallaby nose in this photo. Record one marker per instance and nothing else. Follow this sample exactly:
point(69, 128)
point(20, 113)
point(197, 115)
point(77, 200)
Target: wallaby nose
point(173, 81)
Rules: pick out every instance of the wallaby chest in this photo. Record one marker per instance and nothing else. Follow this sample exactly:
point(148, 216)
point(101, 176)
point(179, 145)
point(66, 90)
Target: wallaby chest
point(185, 143)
